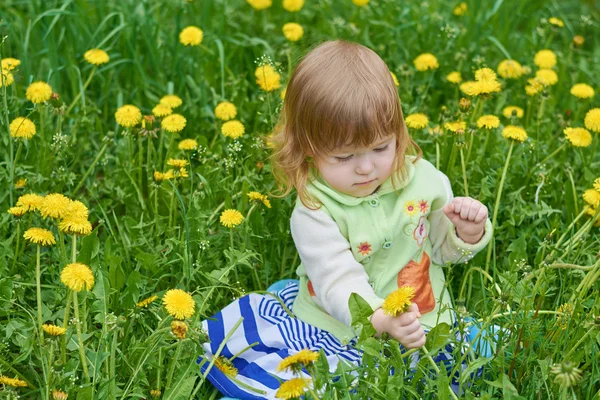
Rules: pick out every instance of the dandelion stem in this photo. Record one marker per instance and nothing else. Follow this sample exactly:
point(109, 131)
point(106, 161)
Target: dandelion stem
point(159, 368)
point(436, 368)
point(63, 345)
point(79, 337)
point(140, 162)
point(562, 146)
point(173, 363)
point(13, 166)
point(12, 268)
point(161, 144)
point(497, 204)
point(437, 155)
point(74, 249)
point(89, 171)
point(85, 85)
point(464, 172)
point(38, 290)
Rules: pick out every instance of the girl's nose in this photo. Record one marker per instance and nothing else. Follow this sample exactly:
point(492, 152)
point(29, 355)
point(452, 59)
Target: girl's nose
point(365, 166)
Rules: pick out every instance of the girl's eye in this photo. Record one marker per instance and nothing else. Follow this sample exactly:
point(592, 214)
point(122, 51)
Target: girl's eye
point(344, 159)
point(380, 149)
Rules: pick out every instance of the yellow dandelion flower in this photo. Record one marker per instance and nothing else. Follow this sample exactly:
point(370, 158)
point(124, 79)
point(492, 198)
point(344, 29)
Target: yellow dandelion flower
point(226, 366)
point(488, 122)
point(55, 205)
point(556, 22)
point(231, 218)
point(597, 184)
point(30, 202)
point(534, 86)
point(512, 111)
point(168, 175)
point(514, 132)
point(179, 304)
point(77, 277)
point(96, 57)
point(454, 77)
point(591, 211)
point(158, 176)
point(267, 78)
point(38, 92)
point(179, 329)
point(293, 31)
point(260, 4)
point(545, 59)
point(17, 211)
point(293, 5)
point(410, 208)
point(177, 163)
point(460, 9)
point(75, 226)
point(171, 100)
point(53, 330)
point(510, 69)
point(77, 210)
point(484, 87)
point(395, 79)
point(592, 120)
point(592, 197)
point(225, 111)
point(188, 144)
point(14, 382)
point(256, 196)
point(547, 76)
point(292, 362)
point(435, 131)
point(398, 301)
point(191, 36)
point(146, 302)
point(9, 63)
point(579, 137)
point(426, 61)
point(416, 121)
point(360, 3)
point(22, 127)
point(39, 236)
point(162, 110)
point(485, 74)
point(59, 395)
point(6, 79)
point(173, 123)
point(20, 184)
point(295, 387)
point(582, 90)
point(455, 126)
point(128, 116)
point(233, 129)
point(578, 40)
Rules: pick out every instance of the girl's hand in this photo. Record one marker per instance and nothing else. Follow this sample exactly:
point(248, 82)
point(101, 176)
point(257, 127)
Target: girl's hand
point(405, 327)
point(469, 217)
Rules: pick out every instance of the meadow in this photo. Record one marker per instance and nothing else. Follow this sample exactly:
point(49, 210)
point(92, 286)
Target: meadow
point(137, 199)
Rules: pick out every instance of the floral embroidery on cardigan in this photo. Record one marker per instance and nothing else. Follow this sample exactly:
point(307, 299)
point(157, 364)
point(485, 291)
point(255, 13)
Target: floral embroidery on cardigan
point(423, 206)
point(420, 232)
point(410, 207)
point(364, 248)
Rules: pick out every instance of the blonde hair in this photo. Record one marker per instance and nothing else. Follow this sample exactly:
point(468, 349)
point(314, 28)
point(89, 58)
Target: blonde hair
point(340, 93)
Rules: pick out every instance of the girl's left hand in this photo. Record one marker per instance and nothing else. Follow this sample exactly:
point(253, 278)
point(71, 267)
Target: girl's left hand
point(469, 217)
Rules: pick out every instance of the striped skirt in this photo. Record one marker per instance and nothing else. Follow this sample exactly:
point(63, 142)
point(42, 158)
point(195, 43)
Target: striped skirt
point(265, 333)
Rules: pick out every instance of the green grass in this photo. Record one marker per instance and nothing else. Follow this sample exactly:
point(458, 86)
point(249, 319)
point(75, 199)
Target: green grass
point(148, 238)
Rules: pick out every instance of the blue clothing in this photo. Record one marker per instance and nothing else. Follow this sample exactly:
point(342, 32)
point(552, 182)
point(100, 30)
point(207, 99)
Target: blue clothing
point(267, 335)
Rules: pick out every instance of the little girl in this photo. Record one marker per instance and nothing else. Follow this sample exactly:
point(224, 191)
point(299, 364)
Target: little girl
point(371, 216)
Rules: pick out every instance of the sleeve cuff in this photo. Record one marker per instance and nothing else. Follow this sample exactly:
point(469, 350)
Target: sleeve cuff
point(469, 250)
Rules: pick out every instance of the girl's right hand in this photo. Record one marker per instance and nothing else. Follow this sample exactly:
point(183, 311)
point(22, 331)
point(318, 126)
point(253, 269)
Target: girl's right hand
point(405, 328)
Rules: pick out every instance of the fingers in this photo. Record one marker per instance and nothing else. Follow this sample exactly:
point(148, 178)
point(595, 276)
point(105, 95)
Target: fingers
point(417, 343)
point(415, 309)
point(465, 209)
point(482, 214)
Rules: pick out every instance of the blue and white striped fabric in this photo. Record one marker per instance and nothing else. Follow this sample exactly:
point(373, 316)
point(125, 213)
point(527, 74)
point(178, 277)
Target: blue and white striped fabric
point(267, 335)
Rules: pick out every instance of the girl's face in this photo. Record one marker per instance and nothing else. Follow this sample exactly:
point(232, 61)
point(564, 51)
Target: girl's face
point(358, 171)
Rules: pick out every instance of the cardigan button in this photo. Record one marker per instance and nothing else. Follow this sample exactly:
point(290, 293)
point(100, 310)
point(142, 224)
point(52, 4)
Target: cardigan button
point(374, 202)
point(387, 244)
